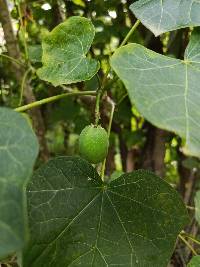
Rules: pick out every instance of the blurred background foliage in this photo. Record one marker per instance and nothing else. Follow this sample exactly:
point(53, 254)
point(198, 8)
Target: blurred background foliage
point(135, 143)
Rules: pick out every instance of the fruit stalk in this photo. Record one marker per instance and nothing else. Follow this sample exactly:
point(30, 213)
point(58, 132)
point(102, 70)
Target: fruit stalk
point(112, 103)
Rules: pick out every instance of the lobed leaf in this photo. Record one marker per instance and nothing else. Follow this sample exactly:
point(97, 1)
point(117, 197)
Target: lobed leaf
point(64, 53)
point(76, 220)
point(165, 90)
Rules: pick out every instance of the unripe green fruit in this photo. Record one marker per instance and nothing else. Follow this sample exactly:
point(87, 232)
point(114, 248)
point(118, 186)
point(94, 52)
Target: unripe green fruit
point(93, 143)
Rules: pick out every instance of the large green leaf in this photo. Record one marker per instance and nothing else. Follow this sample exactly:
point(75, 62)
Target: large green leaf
point(165, 90)
point(76, 220)
point(195, 262)
point(64, 53)
point(166, 15)
point(18, 151)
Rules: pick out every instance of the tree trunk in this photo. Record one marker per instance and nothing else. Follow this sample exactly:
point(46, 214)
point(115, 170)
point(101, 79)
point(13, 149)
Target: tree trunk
point(57, 14)
point(18, 71)
point(154, 150)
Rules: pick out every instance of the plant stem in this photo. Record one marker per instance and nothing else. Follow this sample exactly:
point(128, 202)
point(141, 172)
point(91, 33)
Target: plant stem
point(12, 59)
point(100, 93)
point(130, 33)
point(109, 130)
point(121, 100)
point(23, 30)
point(97, 116)
point(52, 99)
point(97, 108)
point(191, 238)
point(188, 244)
point(22, 85)
point(101, 89)
point(190, 208)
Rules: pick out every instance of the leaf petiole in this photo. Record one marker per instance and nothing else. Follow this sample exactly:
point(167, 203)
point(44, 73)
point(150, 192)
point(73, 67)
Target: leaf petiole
point(109, 130)
point(52, 99)
point(191, 238)
point(130, 33)
point(12, 59)
point(187, 244)
point(22, 85)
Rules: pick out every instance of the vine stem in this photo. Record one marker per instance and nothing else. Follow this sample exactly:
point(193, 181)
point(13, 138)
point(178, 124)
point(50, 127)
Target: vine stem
point(130, 33)
point(22, 85)
point(191, 208)
point(23, 30)
point(187, 244)
point(12, 59)
point(101, 89)
point(97, 107)
point(52, 99)
point(100, 93)
point(109, 131)
point(190, 237)
point(122, 99)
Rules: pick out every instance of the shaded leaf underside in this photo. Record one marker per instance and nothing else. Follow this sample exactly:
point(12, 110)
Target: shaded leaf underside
point(166, 15)
point(165, 90)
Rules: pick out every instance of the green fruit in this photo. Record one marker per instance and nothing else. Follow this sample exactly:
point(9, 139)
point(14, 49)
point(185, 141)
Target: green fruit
point(93, 143)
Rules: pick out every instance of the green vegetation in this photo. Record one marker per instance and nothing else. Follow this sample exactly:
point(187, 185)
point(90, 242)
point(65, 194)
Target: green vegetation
point(99, 133)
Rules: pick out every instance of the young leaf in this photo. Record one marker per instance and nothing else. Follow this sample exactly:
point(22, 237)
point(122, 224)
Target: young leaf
point(64, 53)
point(18, 151)
point(165, 90)
point(195, 262)
point(76, 220)
point(163, 16)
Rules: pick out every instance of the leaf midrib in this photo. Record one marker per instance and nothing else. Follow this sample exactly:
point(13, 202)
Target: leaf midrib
point(67, 226)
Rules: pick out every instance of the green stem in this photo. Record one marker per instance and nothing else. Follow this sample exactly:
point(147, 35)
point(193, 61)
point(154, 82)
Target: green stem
point(190, 208)
point(12, 59)
point(101, 90)
point(100, 93)
point(188, 244)
point(191, 238)
point(23, 30)
point(130, 33)
point(22, 85)
point(97, 108)
point(121, 100)
point(109, 130)
point(52, 99)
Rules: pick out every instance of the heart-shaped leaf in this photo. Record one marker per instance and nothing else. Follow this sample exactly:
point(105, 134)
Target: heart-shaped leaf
point(165, 90)
point(163, 16)
point(64, 53)
point(18, 151)
point(76, 220)
point(195, 262)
